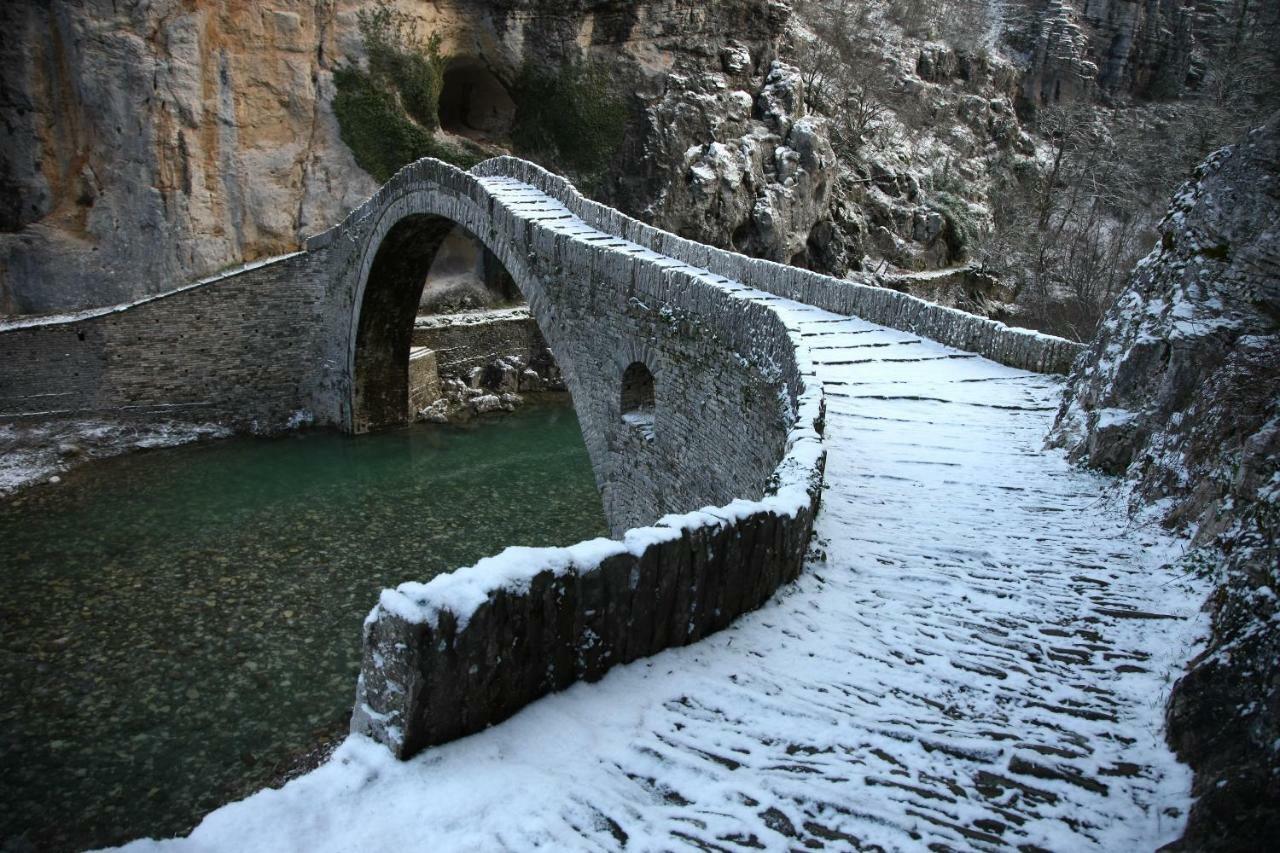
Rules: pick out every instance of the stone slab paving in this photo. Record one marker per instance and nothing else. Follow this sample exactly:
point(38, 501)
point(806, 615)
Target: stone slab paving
point(976, 658)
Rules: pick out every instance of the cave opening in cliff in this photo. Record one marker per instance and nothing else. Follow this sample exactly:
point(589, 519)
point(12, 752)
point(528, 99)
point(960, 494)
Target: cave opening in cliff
point(475, 104)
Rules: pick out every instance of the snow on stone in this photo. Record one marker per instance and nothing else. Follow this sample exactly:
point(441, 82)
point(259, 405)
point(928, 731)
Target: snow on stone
point(976, 656)
point(31, 452)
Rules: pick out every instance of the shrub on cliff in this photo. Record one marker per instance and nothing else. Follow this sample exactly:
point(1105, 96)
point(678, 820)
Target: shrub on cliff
point(572, 117)
point(388, 114)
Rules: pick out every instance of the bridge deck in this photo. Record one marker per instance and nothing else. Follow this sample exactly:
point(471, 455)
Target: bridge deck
point(977, 657)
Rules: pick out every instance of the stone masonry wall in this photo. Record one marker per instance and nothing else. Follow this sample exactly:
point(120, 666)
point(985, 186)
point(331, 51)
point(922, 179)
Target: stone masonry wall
point(236, 349)
point(475, 339)
point(551, 617)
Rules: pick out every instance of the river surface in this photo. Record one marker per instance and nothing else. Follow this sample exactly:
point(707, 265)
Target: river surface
point(177, 624)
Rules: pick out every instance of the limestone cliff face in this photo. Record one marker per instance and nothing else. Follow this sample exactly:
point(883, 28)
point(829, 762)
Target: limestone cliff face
point(1079, 49)
point(148, 143)
point(142, 145)
point(739, 164)
point(1181, 392)
point(1179, 388)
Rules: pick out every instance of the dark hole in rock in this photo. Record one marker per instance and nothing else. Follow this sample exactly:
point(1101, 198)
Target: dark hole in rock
point(475, 104)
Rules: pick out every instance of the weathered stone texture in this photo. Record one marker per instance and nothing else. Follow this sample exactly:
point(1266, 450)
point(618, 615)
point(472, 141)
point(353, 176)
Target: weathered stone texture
point(236, 349)
point(424, 379)
point(463, 342)
point(428, 682)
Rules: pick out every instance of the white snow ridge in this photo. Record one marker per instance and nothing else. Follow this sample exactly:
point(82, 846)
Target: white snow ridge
point(976, 658)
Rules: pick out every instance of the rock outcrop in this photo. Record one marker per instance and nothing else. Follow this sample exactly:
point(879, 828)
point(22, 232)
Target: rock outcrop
point(149, 144)
point(1180, 392)
point(143, 145)
point(1080, 49)
point(746, 167)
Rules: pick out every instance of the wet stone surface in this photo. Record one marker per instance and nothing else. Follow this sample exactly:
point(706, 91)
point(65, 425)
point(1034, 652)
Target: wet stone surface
point(175, 625)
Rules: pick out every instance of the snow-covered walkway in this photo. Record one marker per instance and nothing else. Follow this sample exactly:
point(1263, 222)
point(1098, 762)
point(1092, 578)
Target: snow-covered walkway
point(977, 657)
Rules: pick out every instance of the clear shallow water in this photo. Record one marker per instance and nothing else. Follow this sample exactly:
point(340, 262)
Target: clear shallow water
point(176, 623)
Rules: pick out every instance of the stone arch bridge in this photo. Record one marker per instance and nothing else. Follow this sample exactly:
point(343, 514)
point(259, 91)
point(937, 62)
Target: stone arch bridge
point(725, 467)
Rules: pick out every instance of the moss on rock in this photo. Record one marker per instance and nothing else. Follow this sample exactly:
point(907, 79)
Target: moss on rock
point(574, 117)
point(389, 114)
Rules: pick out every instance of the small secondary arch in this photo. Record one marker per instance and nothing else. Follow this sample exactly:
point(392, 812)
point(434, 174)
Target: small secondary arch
point(638, 397)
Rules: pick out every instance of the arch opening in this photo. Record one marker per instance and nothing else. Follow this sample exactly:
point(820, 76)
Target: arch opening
point(464, 274)
point(426, 263)
point(384, 331)
point(405, 363)
point(475, 104)
point(638, 398)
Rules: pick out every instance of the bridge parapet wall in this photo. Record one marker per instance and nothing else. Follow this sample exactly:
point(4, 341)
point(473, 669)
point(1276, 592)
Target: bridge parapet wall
point(466, 650)
point(236, 348)
point(1020, 348)
point(735, 430)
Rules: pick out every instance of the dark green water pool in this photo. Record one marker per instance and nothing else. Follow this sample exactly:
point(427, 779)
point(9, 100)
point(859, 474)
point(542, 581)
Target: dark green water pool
point(175, 624)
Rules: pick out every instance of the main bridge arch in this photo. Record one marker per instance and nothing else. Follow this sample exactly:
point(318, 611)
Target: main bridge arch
point(600, 310)
point(396, 250)
point(398, 261)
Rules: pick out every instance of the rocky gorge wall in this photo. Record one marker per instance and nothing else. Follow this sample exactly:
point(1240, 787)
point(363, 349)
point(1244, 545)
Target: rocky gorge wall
point(147, 144)
point(1180, 393)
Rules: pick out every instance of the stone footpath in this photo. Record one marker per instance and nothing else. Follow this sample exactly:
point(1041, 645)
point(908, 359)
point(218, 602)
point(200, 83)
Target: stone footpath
point(976, 657)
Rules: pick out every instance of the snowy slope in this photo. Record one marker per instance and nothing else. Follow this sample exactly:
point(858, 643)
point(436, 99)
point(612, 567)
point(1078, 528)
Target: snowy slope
point(977, 657)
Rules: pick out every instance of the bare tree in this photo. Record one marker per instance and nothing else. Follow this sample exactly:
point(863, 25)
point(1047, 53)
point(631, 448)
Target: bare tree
point(843, 79)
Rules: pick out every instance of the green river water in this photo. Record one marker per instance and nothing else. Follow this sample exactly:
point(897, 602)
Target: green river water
point(174, 625)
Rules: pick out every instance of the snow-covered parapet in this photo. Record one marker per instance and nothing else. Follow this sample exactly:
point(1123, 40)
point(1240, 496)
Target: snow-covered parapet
point(468, 649)
point(1021, 348)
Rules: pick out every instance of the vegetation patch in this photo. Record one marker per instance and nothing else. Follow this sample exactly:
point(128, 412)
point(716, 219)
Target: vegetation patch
point(963, 228)
point(573, 117)
point(388, 115)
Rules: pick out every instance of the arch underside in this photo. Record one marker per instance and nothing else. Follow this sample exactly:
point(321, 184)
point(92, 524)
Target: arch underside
point(390, 297)
point(384, 334)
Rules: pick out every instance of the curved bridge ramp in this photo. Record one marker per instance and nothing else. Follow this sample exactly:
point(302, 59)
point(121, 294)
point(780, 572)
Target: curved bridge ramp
point(975, 658)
